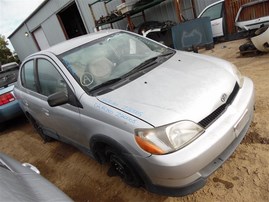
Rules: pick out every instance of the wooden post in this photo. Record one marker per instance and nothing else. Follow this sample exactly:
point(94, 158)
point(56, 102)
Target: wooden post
point(144, 16)
point(130, 23)
point(178, 12)
point(193, 9)
point(106, 8)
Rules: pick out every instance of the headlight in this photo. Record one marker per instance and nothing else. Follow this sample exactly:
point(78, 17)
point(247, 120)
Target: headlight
point(168, 138)
point(236, 72)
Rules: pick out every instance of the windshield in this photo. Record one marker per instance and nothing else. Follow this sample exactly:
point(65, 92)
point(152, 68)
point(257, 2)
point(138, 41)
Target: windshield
point(110, 59)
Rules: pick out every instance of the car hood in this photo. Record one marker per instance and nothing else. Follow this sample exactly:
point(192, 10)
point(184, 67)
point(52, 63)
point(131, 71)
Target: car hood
point(188, 86)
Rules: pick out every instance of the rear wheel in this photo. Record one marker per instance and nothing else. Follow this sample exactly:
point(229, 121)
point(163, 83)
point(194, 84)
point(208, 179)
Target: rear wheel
point(2, 127)
point(119, 166)
point(248, 46)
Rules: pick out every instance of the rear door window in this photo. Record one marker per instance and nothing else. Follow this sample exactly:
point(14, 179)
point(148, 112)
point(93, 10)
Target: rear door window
point(28, 78)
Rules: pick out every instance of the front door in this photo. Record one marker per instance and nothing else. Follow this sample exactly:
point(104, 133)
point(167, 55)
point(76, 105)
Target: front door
point(215, 12)
point(62, 120)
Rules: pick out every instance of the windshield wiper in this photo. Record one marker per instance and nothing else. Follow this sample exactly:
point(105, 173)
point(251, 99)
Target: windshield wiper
point(107, 83)
point(147, 63)
point(141, 66)
point(167, 53)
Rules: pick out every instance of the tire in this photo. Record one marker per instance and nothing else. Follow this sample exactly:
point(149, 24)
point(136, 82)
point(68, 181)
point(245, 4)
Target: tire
point(39, 129)
point(2, 127)
point(119, 166)
point(248, 46)
point(261, 30)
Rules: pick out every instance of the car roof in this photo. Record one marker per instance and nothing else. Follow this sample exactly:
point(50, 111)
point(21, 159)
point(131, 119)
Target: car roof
point(75, 42)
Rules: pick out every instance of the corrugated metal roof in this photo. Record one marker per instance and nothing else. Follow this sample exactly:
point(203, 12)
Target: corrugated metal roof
point(78, 41)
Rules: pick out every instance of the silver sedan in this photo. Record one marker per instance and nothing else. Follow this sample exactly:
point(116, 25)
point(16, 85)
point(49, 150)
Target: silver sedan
point(164, 119)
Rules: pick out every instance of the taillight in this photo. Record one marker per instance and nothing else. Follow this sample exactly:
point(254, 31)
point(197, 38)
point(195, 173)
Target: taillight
point(6, 98)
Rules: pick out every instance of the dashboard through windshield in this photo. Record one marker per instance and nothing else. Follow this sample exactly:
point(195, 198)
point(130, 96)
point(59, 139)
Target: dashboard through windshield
point(110, 58)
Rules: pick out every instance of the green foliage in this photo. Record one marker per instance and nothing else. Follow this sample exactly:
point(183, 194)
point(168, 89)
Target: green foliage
point(5, 54)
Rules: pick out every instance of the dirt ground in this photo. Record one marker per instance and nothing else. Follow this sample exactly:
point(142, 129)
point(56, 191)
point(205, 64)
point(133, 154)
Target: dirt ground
point(244, 177)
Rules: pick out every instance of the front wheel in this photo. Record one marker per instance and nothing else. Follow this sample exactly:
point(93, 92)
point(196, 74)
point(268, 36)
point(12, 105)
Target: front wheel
point(2, 127)
point(119, 166)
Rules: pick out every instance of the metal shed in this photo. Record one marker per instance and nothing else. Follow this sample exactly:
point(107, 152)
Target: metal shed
point(56, 21)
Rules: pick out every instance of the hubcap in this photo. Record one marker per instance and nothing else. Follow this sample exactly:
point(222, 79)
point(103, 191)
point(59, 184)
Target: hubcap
point(118, 166)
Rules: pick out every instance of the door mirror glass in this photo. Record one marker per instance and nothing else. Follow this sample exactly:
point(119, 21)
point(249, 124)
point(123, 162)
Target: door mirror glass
point(58, 99)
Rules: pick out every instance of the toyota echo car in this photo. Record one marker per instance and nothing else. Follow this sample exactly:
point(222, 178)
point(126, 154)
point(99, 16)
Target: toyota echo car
point(163, 119)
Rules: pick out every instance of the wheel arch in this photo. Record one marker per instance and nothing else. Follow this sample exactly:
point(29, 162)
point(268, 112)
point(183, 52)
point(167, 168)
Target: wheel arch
point(27, 114)
point(98, 143)
point(30, 118)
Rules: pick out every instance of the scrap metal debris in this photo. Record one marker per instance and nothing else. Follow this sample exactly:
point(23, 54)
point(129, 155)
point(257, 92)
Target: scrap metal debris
point(257, 44)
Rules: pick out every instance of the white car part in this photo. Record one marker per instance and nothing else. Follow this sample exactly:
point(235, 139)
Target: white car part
point(261, 42)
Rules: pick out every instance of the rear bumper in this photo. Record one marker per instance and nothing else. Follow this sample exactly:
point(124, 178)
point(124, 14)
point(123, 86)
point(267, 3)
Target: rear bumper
point(185, 171)
point(10, 111)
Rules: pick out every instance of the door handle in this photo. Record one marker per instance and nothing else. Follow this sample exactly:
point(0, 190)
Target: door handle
point(25, 103)
point(45, 111)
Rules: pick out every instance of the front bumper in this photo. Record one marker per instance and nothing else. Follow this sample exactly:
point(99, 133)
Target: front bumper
point(185, 171)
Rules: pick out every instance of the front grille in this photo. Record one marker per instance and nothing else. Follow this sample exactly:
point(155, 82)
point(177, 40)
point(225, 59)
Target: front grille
point(215, 114)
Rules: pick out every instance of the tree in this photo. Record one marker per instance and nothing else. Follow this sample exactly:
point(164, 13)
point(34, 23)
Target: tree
point(6, 55)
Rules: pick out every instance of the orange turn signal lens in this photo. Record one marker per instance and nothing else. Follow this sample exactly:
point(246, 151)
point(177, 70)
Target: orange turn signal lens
point(147, 146)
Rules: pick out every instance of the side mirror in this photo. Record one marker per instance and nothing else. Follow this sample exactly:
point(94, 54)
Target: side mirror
point(58, 99)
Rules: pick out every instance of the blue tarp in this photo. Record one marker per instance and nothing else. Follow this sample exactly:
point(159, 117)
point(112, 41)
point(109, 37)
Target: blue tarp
point(195, 32)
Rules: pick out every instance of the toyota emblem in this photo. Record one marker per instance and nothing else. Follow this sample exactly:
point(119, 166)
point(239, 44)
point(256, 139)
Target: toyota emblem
point(223, 97)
